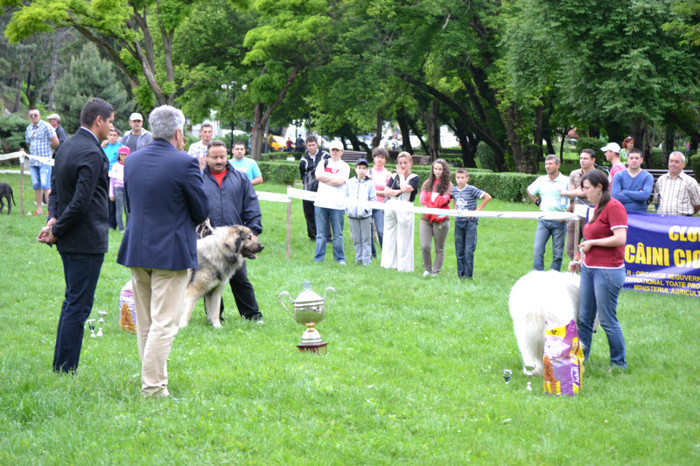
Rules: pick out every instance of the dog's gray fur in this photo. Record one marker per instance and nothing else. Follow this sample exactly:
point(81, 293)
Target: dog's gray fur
point(219, 256)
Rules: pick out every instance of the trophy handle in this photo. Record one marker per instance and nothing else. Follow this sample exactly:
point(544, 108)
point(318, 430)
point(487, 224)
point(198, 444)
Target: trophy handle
point(325, 297)
point(289, 297)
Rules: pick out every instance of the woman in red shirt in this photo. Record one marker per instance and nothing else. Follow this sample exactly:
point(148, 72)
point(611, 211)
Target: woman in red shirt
point(602, 267)
point(435, 193)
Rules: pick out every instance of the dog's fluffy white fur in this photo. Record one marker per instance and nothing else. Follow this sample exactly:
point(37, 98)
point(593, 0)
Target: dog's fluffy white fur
point(219, 256)
point(536, 297)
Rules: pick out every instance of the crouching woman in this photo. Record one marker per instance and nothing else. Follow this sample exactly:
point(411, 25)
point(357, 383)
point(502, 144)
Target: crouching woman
point(602, 267)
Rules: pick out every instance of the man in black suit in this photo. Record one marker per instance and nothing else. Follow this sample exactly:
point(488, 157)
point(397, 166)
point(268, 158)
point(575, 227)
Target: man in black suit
point(78, 225)
point(166, 200)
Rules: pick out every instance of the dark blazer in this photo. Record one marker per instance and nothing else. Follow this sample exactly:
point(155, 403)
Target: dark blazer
point(235, 202)
point(166, 200)
point(79, 194)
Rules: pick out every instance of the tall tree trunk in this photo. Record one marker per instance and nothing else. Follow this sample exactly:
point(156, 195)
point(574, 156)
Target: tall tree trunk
point(423, 144)
point(538, 129)
point(468, 150)
point(18, 95)
point(54, 63)
point(430, 118)
point(258, 135)
point(669, 142)
point(31, 96)
point(378, 134)
point(405, 133)
point(524, 162)
point(262, 115)
point(647, 146)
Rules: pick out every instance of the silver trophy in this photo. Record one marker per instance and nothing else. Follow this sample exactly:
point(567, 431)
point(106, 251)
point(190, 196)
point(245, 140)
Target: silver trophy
point(101, 322)
point(91, 324)
point(309, 310)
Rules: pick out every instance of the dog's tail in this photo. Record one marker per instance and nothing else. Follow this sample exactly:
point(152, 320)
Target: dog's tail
point(12, 196)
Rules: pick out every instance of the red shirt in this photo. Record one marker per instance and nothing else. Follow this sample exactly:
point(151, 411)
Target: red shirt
point(219, 177)
point(613, 216)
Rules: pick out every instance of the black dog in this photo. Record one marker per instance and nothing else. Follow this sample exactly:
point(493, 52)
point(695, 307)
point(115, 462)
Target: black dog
point(6, 192)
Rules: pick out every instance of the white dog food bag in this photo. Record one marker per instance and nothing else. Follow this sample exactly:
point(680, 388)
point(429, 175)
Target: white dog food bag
point(563, 358)
point(127, 309)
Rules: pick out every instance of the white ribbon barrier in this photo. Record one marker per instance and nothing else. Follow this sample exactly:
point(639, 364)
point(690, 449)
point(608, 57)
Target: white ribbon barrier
point(293, 193)
point(21, 155)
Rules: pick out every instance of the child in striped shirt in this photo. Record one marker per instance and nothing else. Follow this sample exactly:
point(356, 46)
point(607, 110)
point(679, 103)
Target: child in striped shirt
point(465, 197)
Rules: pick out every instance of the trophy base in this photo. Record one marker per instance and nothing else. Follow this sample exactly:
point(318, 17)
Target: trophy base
point(318, 348)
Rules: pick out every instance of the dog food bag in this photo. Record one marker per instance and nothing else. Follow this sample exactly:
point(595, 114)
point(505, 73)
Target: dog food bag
point(127, 309)
point(563, 358)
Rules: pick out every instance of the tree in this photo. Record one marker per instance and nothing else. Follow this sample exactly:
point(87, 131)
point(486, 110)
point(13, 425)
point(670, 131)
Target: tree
point(121, 29)
point(90, 76)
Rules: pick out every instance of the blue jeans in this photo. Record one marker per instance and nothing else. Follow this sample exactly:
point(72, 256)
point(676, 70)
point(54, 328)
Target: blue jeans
point(41, 176)
point(545, 229)
point(378, 218)
point(598, 292)
point(81, 272)
point(120, 203)
point(465, 245)
point(325, 218)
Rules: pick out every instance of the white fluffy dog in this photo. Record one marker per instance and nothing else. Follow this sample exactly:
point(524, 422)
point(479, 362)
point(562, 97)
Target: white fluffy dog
point(536, 297)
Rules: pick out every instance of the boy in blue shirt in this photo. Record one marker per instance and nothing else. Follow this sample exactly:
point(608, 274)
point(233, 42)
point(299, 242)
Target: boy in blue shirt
point(465, 197)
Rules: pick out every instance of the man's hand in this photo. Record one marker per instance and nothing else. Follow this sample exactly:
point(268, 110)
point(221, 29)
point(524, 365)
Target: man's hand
point(45, 235)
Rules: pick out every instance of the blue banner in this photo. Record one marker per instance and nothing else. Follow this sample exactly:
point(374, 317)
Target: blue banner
point(662, 254)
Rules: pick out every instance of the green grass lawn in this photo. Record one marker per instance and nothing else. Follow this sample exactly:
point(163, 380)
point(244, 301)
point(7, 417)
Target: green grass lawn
point(413, 372)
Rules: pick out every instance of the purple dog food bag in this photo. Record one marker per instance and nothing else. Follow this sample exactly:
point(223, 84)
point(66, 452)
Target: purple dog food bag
point(563, 358)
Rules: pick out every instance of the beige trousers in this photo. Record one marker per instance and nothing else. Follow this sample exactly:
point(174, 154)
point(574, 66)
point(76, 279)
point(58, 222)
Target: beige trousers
point(159, 296)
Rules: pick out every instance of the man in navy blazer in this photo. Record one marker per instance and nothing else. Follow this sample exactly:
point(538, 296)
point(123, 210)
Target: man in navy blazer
point(78, 225)
point(166, 200)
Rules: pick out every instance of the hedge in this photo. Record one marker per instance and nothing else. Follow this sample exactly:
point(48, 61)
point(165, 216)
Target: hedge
point(505, 186)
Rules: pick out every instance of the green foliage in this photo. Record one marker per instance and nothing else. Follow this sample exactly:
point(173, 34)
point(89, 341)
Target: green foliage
point(509, 187)
point(281, 172)
point(591, 143)
point(90, 76)
point(12, 128)
point(485, 155)
point(695, 165)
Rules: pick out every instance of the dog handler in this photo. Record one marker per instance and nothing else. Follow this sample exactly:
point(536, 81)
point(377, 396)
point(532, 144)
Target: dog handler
point(602, 267)
point(233, 202)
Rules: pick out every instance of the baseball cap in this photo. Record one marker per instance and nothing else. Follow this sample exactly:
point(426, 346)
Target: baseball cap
point(135, 116)
point(124, 150)
point(335, 145)
point(54, 116)
point(362, 162)
point(613, 146)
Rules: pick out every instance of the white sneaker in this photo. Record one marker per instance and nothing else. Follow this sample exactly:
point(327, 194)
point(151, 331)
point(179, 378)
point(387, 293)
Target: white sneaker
point(427, 274)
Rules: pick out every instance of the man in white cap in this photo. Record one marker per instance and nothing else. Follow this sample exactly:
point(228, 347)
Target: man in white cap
point(612, 155)
point(138, 137)
point(329, 207)
point(55, 121)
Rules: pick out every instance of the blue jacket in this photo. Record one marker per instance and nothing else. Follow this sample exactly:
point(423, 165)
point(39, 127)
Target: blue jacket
point(235, 202)
point(166, 200)
point(360, 191)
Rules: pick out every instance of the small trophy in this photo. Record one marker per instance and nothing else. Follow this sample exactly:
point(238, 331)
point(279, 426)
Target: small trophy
point(309, 309)
point(507, 373)
point(91, 324)
point(101, 322)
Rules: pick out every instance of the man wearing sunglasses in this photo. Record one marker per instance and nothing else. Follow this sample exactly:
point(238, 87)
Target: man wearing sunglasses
point(41, 139)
